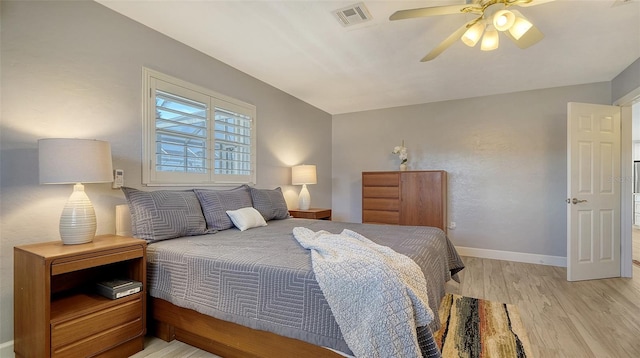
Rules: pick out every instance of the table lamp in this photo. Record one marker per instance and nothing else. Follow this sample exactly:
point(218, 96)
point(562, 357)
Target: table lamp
point(303, 175)
point(75, 161)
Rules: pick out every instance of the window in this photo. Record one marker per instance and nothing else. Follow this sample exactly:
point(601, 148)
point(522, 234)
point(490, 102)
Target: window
point(194, 136)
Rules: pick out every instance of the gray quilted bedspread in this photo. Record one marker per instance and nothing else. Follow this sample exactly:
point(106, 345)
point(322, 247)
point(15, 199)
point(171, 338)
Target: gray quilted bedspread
point(263, 279)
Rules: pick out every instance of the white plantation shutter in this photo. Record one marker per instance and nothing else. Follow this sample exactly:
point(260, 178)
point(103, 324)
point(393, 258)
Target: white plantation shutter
point(187, 143)
point(181, 134)
point(232, 143)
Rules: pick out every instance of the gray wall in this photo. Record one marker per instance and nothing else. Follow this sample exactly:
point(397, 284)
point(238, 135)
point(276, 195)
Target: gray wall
point(73, 69)
point(505, 156)
point(626, 82)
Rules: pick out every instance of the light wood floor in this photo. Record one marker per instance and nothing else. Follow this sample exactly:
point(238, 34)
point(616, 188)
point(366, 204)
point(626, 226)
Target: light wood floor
point(157, 348)
point(599, 318)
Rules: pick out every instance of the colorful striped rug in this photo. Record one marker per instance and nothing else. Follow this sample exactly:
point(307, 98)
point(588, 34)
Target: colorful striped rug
point(476, 328)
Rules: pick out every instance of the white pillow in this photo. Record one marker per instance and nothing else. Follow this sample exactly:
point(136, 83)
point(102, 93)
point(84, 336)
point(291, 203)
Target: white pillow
point(246, 218)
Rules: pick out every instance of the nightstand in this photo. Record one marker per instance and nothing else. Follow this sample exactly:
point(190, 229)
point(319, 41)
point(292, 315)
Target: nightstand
point(57, 313)
point(313, 213)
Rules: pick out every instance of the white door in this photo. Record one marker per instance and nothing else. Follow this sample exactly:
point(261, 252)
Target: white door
point(593, 187)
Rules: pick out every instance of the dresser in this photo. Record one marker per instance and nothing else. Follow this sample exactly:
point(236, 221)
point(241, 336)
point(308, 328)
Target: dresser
point(405, 198)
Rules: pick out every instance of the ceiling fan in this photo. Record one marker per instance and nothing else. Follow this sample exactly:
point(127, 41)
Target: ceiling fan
point(493, 16)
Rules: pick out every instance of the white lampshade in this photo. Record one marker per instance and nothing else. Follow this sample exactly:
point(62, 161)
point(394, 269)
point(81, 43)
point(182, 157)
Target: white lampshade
point(490, 40)
point(473, 34)
point(303, 175)
point(68, 161)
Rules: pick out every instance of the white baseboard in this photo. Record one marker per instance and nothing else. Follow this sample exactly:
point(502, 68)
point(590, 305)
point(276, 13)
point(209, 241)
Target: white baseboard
point(6, 350)
point(513, 256)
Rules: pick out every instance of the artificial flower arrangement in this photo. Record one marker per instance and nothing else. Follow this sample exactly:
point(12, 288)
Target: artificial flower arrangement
point(401, 151)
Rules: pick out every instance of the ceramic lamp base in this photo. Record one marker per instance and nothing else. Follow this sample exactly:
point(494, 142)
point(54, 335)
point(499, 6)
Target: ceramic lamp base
point(304, 199)
point(78, 219)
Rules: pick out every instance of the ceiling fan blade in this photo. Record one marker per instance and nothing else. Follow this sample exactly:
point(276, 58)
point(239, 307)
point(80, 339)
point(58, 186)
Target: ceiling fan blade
point(620, 2)
point(530, 38)
point(434, 11)
point(446, 43)
point(534, 3)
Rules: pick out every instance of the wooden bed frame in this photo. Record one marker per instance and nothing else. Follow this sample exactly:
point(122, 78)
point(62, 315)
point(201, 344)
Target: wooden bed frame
point(229, 340)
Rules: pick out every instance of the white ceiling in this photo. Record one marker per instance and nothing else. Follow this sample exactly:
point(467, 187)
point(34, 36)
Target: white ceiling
point(300, 48)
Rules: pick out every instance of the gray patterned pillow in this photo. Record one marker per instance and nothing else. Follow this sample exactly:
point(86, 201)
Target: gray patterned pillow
point(164, 214)
point(270, 203)
point(215, 204)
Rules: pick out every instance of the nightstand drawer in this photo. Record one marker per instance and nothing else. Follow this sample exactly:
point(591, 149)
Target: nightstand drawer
point(100, 341)
point(94, 259)
point(72, 330)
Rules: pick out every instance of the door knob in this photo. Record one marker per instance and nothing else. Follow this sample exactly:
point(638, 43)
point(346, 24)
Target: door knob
point(576, 201)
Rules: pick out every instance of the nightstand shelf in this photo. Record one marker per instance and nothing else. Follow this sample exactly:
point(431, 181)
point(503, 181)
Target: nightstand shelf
point(56, 310)
point(313, 213)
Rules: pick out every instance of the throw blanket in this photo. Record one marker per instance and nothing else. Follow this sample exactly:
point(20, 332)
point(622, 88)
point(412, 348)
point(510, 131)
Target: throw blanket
point(378, 297)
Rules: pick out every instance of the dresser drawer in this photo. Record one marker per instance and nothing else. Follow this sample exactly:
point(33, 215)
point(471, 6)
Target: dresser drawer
point(381, 192)
point(92, 326)
point(380, 217)
point(380, 204)
point(380, 179)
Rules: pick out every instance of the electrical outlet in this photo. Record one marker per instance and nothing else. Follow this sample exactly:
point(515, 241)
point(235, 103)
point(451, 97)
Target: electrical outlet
point(452, 225)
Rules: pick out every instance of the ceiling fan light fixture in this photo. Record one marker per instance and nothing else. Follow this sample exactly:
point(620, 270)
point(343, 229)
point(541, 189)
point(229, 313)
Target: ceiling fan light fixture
point(503, 20)
point(493, 16)
point(490, 40)
point(520, 27)
point(473, 34)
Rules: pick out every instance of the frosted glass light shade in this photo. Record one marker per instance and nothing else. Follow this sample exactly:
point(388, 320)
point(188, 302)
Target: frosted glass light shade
point(520, 26)
point(473, 34)
point(503, 20)
point(490, 40)
point(303, 174)
point(64, 161)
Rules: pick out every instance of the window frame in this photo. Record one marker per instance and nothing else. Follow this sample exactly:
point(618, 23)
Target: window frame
point(153, 80)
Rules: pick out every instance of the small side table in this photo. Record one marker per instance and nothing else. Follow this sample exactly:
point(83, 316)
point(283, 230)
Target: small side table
point(57, 312)
point(312, 213)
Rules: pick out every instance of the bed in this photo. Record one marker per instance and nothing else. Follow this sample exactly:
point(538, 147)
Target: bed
point(253, 293)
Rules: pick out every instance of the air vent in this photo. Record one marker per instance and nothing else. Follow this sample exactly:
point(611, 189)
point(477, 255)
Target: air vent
point(352, 15)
